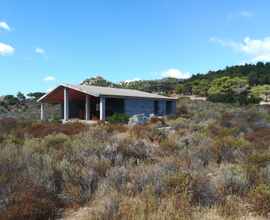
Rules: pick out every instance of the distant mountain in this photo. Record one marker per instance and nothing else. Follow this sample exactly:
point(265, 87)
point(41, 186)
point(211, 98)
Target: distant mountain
point(163, 86)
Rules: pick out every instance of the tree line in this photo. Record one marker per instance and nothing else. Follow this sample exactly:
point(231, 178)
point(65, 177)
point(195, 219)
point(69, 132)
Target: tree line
point(235, 80)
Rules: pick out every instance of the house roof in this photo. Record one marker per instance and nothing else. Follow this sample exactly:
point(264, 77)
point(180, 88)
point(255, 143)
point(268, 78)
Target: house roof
point(77, 93)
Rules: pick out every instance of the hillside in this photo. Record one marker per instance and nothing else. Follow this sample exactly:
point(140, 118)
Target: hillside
point(164, 85)
point(213, 164)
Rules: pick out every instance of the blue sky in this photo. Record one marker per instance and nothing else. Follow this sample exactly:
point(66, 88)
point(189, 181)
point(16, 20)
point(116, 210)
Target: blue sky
point(44, 43)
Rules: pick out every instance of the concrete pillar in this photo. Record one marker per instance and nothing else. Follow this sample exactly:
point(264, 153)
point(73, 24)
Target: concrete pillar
point(66, 104)
point(42, 110)
point(102, 108)
point(87, 107)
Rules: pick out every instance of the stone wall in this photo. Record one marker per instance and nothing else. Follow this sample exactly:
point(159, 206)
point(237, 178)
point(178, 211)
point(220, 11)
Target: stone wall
point(160, 108)
point(136, 106)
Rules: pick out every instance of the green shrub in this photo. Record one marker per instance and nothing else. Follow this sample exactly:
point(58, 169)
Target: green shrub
point(55, 119)
point(7, 97)
point(223, 98)
point(242, 100)
point(12, 101)
point(228, 98)
point(119, 118)
point(259, 160)
point(3, 103)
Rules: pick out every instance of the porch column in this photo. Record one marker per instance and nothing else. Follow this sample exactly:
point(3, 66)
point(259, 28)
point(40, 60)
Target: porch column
point(42, 110)
point(102, 108)
point(66, 104)
point(87, 107)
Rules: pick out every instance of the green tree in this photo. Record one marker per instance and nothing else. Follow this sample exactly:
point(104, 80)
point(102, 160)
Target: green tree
point(20, 95)
point(223, 85)
point(263, 90)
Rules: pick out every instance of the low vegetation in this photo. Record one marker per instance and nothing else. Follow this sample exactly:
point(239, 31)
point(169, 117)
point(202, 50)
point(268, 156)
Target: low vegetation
point(213, 165)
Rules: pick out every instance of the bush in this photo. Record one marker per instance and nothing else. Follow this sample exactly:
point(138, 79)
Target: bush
point(3, 103)
point(7, 97)
point(227, 98)
point(12, 101)
point(223, 98)
point(261, 199)
point(119, 118)
point(55, 119)
point(242, 100)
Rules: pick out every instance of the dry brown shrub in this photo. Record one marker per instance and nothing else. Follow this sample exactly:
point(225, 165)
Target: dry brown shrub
point(138, 132)
point(182, 110)
point(7, 124)
point(120, 128)
point(27, 201)
point(155, 120)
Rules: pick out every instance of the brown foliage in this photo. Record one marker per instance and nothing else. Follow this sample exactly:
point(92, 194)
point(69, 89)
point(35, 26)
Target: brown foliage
point(138, 131)
point(27, 201)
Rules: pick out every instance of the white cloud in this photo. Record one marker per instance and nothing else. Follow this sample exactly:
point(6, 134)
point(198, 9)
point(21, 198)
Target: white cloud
point(6, 50)
point(175, 73)
point(239, 14)
point(136, 79)
point(244, 13)
point(5, 26)
point(258, 50)
point(38, 50)
point(49, 78)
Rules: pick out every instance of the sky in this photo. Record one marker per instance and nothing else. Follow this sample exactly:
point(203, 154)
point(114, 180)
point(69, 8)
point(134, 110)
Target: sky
point(44, 43)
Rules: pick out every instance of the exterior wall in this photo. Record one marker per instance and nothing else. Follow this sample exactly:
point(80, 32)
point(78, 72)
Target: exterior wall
point(170, 107)
point(173, 107)
point(160, 108)
point(136, 106)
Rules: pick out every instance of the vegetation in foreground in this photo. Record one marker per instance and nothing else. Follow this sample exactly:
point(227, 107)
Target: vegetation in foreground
point(215, 162)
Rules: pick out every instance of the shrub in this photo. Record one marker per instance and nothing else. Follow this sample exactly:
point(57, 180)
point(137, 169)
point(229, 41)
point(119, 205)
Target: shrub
point(182, 110)
point(7, 97)
point(3, 103)
point(259, 160)
point(8, 124)
point(261, 199)
point(27, 201)
point(167, 147)
point(242, 100)
point(55, 119)
point(223, 98)
point(12, 101)
point(119, 118)
point(139, 131)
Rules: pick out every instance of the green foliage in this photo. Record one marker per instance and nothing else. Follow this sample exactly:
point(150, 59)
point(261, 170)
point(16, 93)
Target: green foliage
point(20, 95)
point(56, 119)
point(119, 118)
point(228, 98)
point(259, 160)
point(12, 101)
point(7, 97)
point(223, 98)
point(263, 90)
point(36, 95)
point(3, 103)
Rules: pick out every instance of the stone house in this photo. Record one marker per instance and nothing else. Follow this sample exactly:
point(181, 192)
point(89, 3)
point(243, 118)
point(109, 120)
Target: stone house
point(99, 102)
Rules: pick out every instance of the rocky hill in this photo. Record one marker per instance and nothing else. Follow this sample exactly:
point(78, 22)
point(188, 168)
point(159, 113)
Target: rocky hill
point(163, 86)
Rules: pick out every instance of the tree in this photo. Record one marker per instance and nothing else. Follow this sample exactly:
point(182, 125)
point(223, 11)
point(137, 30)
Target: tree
point(223, 85)
point(20, 95)
point(7, 97)
point(263, 90)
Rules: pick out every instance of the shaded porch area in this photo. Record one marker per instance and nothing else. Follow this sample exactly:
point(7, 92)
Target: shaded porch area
point(80, 105)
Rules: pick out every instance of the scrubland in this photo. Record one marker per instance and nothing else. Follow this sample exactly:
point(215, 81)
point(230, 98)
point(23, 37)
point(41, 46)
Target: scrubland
point(213, 165)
